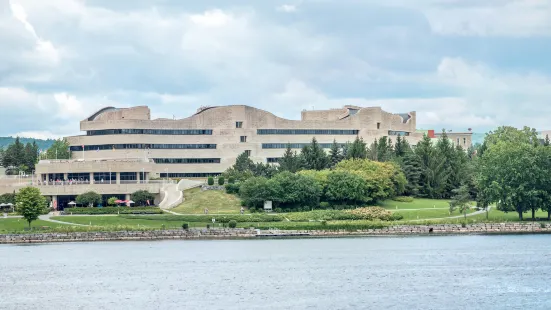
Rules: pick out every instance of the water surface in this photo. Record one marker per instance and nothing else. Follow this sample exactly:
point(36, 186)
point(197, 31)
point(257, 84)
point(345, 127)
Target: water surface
point(440, 272)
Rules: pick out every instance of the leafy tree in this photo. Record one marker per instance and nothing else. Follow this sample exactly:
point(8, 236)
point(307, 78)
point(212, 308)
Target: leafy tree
point(314, 156)
point(335, 154)
point(461, 200)
point(290, 161)
point(112, 201)
point(295, 190)
point(254, 191)
point(89, 199)
point(357, 150)
point(30, 204)
point(263, 170)
point(514, 172)
point(8, 198)
point(243, 162)
point(59, 150)
point(347, 188)
point(320, 177)
point(141, 197)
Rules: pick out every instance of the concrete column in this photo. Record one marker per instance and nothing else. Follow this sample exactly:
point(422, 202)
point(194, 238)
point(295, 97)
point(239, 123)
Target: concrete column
point(127, 197)
point(138, 176)
point(118, 177)
point(91, 178)
point(54, 202)
point(147, 177)
point(66, 176)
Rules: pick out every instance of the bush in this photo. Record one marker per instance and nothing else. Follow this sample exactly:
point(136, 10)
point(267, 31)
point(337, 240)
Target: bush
point(89, 199)
point(185, 226)
point(231, 180)
point(325, 205)
point(221, 180)
point(232, 224)
point(278, 210)
point(323, 223)
point(403, 199)
point(232, 188)
point(372, 213)
point(111, 201)
point(210, 181)
point(396, 217)
point(114, 210)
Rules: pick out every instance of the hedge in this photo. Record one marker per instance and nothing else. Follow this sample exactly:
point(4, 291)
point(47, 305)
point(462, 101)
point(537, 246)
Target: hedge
point(253, 218)
point(114, 210)
point(367, 213)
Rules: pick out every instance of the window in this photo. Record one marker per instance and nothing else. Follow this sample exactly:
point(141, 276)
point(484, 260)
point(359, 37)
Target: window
point(79, 176)
point(190, 175)
point(457, 141)
point(186, 160)
point(128, 176)
point(76, 148)
point(248, 152)
point(243, 138)
point(464, 141)
point(238, 124)
point(296, 145)
point(398, 133)
point(378, 125)
point(149, 132)
point(307, 131)
point(273, 160)
point(105, 177)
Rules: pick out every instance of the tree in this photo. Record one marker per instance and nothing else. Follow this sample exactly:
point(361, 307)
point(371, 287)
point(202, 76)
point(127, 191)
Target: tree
point(357, 150)
point(59, 150)
point(384, 149)
point(254, 191)
point(142, 197)
point(295, 190)
point(290, 161)
point(221, 180)
point(335, 154)
point(401, 147)
point(411, 166)
point(433, 179)
point(347, 188)
point(8, 198)
point(89, 199)
point(112, 201)
point(461, 200)
point(546, 141)
point(30, 204)
point(263, 170)
point(243, 162)
point(314, 156)
point(514, 174)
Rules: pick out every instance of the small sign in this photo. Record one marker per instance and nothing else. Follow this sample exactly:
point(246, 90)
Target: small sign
point(213, 220)
point(268, 205)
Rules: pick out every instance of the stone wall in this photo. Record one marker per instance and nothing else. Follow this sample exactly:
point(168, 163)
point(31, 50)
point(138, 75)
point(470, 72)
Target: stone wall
point(441, 229)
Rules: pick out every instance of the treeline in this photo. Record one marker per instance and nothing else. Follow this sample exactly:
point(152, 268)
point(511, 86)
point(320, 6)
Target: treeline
point(42, 144)
point(19, 157)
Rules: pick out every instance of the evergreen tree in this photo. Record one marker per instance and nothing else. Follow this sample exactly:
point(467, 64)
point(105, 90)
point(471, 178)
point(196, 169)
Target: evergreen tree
point(411, 165)
point(335, 155)
point(290, 161)
point(400, 148)
point(59, 150)
point(357, 150)
point(373, 151)
point(314, 156)
point(433, 173)
point(243, 162)
point(384, 149)
point(345, 150)
point(546, 142)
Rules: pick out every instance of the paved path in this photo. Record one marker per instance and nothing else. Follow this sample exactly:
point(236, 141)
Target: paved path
point(453, 217)
point(47, 218)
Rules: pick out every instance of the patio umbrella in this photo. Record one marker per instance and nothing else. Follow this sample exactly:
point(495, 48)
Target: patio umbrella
point(118, 201)
point(72, 203)
point(130, 201)
point(3, 205)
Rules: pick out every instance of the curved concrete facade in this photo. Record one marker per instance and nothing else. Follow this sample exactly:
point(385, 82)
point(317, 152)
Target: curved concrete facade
point(228, 131)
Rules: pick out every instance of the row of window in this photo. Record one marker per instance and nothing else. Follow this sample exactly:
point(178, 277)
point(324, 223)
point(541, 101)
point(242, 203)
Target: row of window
point(149, 132)
point(296, 145)
point(98, 176)
point(307, 131)
point(273, 160)
point(186, 160)
point(398, 133)
point(76, 148)
point(190, 175)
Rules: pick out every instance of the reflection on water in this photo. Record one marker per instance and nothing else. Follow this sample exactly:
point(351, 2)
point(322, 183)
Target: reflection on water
point(441, 272)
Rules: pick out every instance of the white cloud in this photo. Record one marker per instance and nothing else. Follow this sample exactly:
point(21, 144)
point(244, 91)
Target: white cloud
point(211, 18)
point(44, 49)
point(288, 8)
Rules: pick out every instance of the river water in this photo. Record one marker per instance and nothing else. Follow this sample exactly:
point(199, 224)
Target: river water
point(439, 272)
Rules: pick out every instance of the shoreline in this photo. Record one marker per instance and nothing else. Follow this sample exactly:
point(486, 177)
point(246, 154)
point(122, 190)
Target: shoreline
point(251, 234)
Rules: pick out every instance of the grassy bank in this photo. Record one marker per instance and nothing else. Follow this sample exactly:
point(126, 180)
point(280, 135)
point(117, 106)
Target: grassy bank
point(218, 202)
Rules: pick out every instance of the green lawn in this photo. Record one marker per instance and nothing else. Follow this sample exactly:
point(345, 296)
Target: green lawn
point(113, 221)
point(19, 224)
point(417, 203)
point(218, 202)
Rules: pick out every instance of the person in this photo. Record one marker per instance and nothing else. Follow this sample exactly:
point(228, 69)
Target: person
point(101, 180)
point(242, 210)
point(206, 211)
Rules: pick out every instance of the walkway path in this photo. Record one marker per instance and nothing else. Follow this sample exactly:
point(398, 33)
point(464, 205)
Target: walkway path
point(453, 217)
point(47, 218)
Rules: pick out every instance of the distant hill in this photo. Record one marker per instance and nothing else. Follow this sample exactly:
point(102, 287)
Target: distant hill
point(42, 144)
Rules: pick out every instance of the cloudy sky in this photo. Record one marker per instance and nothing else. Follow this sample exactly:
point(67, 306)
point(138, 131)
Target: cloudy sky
point(459, 63)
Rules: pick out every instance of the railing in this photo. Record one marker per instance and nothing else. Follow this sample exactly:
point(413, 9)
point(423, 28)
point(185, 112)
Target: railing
point(29, 182)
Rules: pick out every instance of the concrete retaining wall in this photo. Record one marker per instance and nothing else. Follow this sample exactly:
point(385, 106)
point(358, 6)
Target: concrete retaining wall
point(490, 228)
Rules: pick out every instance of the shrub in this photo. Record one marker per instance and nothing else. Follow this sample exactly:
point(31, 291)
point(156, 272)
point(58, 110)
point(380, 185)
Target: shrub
point(232, 188)
point(185, 226)
point(210, 181)
point(325, 205)
point(200, 218)
point(396, 217)
point(221, 180)
point(372, 213)
point(278, 210)
point(114, 210)
point(231, 180)
point(232, 224)
point(323, 223)
point(403, 199)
